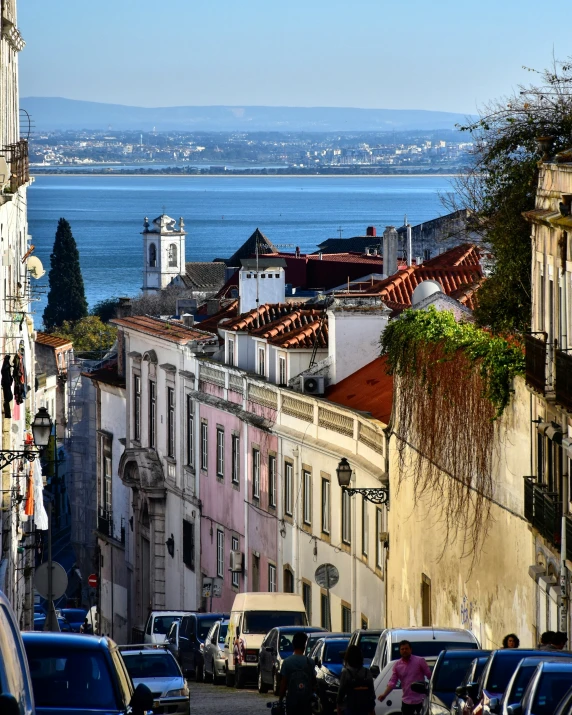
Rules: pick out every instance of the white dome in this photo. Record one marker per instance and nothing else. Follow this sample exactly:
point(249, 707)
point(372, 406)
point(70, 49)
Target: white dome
point(424, 290)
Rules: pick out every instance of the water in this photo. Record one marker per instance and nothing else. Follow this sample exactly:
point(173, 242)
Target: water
point(106, 215)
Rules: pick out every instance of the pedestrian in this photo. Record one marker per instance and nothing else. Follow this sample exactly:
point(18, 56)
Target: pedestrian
point(547, 641)
point(560, 640)
point(356, 694)
point(298, 678)
point(511, 641)
point(408, 669)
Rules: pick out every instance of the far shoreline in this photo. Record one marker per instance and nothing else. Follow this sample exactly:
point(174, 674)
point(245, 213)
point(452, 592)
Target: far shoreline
point(228, 175)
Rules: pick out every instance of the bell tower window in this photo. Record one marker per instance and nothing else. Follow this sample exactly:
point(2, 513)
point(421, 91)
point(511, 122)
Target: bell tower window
point(152, 256)
point(173, 263)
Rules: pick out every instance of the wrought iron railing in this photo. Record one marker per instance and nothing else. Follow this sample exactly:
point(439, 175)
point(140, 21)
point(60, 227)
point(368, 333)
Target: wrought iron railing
point(535, 362)
point(17, 156)
point(105, 522)
point(543, 509)
point(563, 386)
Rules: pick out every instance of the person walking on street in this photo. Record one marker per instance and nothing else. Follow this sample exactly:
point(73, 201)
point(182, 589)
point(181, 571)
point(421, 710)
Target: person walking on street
point(511, 641)
point(408, 669)
point(547, 641)
point(298, 678)
point(356, 694)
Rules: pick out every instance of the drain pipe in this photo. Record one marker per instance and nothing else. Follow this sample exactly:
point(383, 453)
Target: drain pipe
point(563, 625)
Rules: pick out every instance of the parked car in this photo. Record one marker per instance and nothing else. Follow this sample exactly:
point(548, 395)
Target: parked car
point(426, 642)
point(40, 621)
point(521, 678)
point(74, 616)
point(214, 666)
point(16, 691)
point(313, 638)
point(471, 677)
point(367, 641)
point(276, 646)
point(565, 705)
point(329, 657)
point(159, 671)
point(251, 617)
point(75, 674)
point(39, 610)
point(495, 678)
point(549, 684)
point(448, 672)
point(159, 623)
point(186, 640)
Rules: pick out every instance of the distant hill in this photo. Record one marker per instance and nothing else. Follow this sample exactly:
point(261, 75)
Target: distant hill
point(57, 113)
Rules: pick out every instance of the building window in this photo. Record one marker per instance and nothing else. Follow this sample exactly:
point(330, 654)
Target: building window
point(271, 578)
point(220, 452)
point(190, 432)
point(235, 459)
point(230, 359)
point(346, 518)
point(378, 542)
point(307, 489)
point(364, 622)
point(173, 262)
point(106, 468)
point(426, 618)
point(152, 414)
point(189, 544)
point(136, 407)
point(364, 526)
point(235, 574)
point(204, 445)
point(288, 488)
point(171, 421)
point(272, 481)
point(256, 473)
point(288, 580)
point(346, 619)
point(261, 362)
point(282, 378)
point(220, 553)
point(307, 598)
point(324, 611)
point(325, 506)
point(152, 255)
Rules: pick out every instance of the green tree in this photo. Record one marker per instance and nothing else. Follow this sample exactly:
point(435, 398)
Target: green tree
point(88, 335)
point(66, 297)
point(502, 183)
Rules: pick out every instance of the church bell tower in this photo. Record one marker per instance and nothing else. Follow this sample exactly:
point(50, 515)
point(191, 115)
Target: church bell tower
point(163, 252)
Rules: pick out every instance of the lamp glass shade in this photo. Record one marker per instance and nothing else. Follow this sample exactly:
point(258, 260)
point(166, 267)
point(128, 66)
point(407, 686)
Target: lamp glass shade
point(42, 428)
point(344, 472)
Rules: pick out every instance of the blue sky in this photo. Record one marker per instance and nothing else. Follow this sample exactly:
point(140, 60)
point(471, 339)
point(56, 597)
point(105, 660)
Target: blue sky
point(449, 55)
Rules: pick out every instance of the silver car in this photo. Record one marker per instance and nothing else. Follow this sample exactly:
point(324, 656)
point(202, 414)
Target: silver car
point(213, 653)
point(156, 668)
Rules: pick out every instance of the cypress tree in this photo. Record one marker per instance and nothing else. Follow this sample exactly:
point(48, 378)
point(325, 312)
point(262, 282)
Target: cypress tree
point(66, 297)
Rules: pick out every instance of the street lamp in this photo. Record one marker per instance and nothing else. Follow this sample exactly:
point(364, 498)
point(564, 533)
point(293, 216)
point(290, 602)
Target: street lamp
point(344, 472)
point(41, 430)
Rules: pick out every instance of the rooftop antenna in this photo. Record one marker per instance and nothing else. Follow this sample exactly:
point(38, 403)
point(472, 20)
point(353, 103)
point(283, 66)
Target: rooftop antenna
point(340, 230)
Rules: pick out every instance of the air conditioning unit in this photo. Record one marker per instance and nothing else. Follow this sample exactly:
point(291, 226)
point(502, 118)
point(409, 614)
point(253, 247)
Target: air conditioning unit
point(236, 561)
point(313, 384)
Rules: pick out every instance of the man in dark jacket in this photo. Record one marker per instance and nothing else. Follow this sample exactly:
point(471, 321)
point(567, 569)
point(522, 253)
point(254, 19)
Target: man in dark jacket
point(356, 694)
point(298, 678)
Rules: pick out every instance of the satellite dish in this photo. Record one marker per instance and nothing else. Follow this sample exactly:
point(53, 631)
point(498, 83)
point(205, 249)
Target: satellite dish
point(424, 290)
point(35, 267)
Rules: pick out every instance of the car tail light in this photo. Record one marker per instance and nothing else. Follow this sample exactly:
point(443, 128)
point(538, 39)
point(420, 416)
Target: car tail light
point(251, 656)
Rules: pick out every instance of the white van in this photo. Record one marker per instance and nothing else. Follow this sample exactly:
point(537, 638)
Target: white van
point(158, 625)
point(426, 642)
point(251, 617)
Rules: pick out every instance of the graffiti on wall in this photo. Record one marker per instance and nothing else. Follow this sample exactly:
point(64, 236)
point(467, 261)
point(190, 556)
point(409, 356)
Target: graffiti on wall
point(468, 609)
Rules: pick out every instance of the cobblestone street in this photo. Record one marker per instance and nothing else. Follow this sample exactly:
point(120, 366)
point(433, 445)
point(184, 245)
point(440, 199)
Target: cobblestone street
point(207, 699)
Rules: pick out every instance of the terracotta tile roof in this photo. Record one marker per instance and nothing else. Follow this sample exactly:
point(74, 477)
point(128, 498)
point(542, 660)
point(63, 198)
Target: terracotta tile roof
point(466, 254)
point(172, 331)
point(368, 390)
point(52, 341)
point(264, 315)
point(107, 375)
point(228, 311)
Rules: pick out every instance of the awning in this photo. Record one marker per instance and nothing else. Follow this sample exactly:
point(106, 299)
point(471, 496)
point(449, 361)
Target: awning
point(552, 430)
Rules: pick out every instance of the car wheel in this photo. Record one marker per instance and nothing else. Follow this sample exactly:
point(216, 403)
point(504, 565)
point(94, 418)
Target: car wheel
point(238, 678)
point(275, 683)
point(262, 687)
point(229, 679)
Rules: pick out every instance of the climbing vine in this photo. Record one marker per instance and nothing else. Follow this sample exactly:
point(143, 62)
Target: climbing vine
point(453, 382)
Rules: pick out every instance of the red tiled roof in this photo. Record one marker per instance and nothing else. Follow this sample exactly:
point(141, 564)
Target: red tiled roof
point(52, 341)
point(368, 390)
point(264, 315)
point(466, 254)
point(210, 324)
point(173, 331)
point(107, 375)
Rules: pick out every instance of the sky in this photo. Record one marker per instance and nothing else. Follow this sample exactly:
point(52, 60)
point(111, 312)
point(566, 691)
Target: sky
point(448, 55)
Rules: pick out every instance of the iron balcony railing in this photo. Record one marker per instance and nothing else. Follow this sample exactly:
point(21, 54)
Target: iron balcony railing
point(105, 525)
point(563, 386)
point(535, 362)
point(17, 156)
point(543, 509)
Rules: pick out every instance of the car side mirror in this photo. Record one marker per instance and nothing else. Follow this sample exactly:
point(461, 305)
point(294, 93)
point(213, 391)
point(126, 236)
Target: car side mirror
point(374, 670)
point(420, 687)
point(269, 649)
point(494, 705)
point(9, 705)
point(141, 700)
point(473, 689)
point(461, 691)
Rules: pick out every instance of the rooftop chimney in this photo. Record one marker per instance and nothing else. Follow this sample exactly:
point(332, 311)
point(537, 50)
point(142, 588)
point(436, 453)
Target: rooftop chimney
point(371, 231)
point(125, 308)
point(188, 319)
point(409, 244)
point(390, 251)
point(297, 251)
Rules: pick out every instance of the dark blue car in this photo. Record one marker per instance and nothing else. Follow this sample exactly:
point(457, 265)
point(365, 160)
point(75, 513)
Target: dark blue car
point(276, 646)
point(329, 656)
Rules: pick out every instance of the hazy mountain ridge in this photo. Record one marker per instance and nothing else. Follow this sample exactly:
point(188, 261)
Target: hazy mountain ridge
point(57, 113)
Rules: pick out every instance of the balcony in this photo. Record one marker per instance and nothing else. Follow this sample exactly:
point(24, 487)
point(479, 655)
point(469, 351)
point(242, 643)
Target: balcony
point(17, 157)
point(543, 510)
point(536, 363)
point(563, 387)
point(105, 525)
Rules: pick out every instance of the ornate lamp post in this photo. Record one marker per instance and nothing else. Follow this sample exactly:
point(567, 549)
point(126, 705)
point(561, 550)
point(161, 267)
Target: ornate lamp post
point(344, 472)
point(41, 430)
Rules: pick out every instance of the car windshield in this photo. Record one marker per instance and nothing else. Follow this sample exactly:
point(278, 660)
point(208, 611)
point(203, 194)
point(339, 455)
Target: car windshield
point(426, 649)
point(450, 673)
point(264, 621)
point(64, 677)
point(203, 627)
point(501, 671)
point(334, 650)
point(151, 665)
point(551, 689)
point(161, 624)
point(368, 643)
point(222, 632)
point(520, 683)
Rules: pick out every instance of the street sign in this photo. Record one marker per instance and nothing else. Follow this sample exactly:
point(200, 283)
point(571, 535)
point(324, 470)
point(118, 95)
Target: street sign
point(327, 576)
point(92, 580)
point(207, 588)
point(59, 580)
